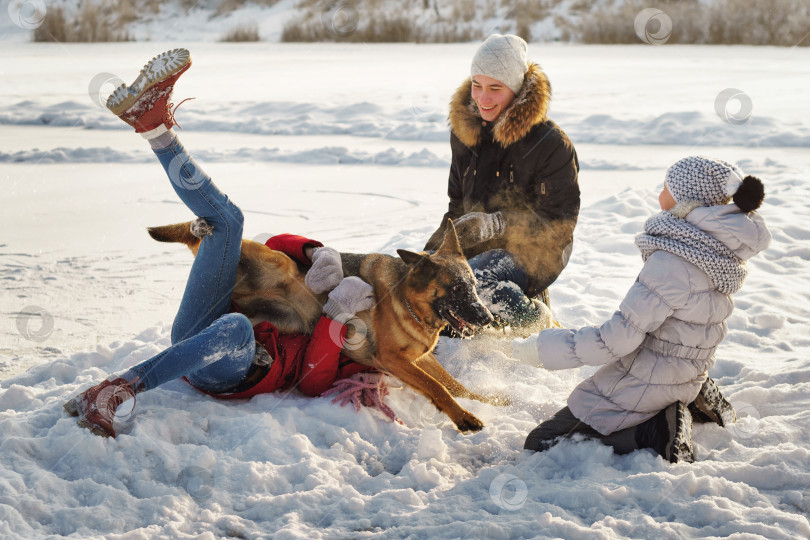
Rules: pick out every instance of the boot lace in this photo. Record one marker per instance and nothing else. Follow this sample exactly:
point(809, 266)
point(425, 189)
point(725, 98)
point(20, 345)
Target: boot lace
point(169, 119)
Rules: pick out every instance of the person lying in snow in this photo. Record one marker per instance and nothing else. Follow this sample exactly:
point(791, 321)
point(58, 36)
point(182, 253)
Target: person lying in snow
point(656, 350)
point(217, 350)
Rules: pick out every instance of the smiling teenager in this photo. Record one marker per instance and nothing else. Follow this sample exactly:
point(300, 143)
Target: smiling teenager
point(514, 196)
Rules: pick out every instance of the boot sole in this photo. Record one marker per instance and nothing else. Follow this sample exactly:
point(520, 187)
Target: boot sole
point(705, 411)
point(679, 450)
point(72, 407)
point(722, 411)
point(160, 68)
point(94, 428)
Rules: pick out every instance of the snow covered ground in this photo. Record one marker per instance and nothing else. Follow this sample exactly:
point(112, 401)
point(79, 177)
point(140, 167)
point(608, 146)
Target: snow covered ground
point(348, 144)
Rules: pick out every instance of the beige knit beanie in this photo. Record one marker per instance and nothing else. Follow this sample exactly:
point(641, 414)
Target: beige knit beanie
point(503, 58)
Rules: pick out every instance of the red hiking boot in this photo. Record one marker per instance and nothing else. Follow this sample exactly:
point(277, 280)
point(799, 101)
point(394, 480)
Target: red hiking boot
point(96, 406)
point(145, 104)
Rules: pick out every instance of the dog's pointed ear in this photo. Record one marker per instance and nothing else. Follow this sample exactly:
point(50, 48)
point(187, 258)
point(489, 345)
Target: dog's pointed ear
point(450, 244)
point(412, 259)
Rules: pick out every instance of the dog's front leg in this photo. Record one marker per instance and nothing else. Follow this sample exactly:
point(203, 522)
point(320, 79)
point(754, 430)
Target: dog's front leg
point(422, 382)
point(431, 365)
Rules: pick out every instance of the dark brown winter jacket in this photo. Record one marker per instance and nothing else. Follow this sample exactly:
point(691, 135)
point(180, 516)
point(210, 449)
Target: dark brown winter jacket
point(522, 165)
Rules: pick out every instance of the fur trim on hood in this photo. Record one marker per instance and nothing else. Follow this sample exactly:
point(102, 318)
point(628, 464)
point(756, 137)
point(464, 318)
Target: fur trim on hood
point(527, 110)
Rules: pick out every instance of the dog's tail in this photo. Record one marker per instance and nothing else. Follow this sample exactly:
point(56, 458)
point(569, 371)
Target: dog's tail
point(177, 232)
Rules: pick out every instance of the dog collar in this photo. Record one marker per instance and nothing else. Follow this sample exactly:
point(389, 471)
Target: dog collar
point(410, 309)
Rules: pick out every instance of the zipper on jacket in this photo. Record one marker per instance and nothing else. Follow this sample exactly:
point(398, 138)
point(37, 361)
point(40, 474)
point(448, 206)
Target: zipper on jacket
point(511, 173)
point(542, 188)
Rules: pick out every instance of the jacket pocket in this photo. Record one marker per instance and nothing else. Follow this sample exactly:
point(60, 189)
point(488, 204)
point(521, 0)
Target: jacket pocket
point(520, 178)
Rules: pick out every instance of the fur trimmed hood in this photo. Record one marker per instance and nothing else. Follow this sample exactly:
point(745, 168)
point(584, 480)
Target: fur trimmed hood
point(527, 110)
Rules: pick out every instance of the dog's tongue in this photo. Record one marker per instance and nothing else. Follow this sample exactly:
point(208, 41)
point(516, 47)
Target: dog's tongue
point(462, 326)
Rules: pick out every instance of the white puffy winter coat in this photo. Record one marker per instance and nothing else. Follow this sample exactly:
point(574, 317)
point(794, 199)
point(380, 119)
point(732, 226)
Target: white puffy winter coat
point(658, 347)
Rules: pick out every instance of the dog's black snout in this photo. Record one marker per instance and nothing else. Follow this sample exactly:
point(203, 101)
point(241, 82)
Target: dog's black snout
point(482, 316)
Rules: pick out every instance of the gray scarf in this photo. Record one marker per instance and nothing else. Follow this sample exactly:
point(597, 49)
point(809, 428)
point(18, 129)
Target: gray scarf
point(675, 235)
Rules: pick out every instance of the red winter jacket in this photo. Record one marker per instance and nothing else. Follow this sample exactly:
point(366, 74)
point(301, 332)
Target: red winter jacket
point(312, 363)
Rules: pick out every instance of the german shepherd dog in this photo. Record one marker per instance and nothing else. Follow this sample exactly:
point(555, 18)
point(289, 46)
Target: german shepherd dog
point(416, 295)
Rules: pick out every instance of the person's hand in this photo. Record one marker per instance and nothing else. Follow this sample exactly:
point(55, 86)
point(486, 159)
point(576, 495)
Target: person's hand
point(525, 351)
point(350, 296)
point(200, 228)
point(477, 227)
point(326, 270)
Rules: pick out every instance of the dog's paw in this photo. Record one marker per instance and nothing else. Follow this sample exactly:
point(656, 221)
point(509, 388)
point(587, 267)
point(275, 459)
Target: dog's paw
point(469, 423)
point(200, 228)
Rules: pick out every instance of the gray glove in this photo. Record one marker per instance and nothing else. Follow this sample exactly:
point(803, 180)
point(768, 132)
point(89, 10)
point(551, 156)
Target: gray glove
point(477, 227)
point(350, 296)
point(326, 270)
point(200, 228)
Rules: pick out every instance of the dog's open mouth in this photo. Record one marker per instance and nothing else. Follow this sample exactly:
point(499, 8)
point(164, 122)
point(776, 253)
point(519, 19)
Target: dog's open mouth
point(459, 325)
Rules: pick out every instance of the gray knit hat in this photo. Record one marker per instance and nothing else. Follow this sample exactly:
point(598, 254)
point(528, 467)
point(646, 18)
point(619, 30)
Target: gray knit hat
point(700, 179)
point(503, 58)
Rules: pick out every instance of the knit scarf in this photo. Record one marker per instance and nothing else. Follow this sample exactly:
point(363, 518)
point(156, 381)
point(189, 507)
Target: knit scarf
point(675, 235)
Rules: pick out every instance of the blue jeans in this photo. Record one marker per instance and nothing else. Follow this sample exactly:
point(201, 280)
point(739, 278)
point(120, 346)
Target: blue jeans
point(210, 346)
point(501, 282)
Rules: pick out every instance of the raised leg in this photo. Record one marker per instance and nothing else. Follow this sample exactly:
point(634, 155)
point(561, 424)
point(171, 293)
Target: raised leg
point(213, 348)
point(213, 273)
point(146, 106)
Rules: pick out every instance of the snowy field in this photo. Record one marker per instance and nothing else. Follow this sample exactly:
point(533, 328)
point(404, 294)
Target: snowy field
point(349, 145)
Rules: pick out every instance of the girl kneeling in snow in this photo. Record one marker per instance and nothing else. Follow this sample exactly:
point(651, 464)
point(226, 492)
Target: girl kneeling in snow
point(220, 352)
point(656, 350)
